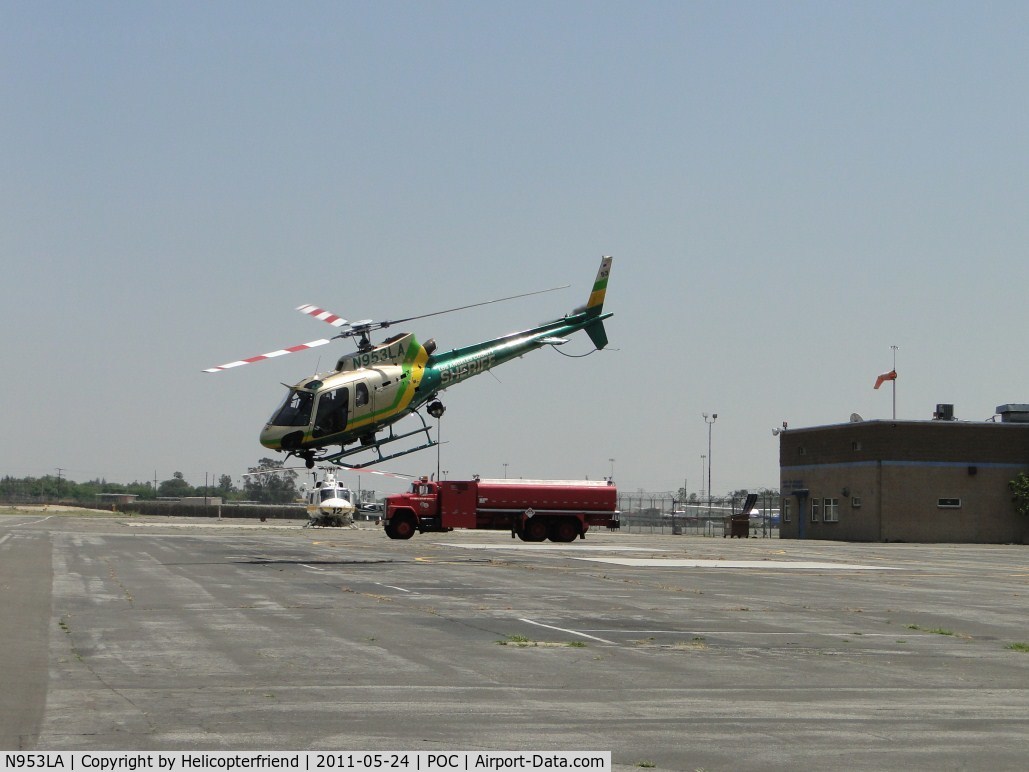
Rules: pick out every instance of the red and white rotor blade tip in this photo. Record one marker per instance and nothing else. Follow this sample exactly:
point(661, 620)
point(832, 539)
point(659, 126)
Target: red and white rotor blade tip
point(320, 313)
point(269, 355)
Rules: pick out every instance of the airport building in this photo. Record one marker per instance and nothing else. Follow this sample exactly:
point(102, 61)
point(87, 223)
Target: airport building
point(914, 481)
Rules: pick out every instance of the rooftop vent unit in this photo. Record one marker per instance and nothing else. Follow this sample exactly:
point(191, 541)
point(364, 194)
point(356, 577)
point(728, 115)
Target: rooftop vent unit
point(944, 413)
point(1013, 414)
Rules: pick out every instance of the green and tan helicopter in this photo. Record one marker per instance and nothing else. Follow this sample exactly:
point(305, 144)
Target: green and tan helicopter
point(376, 386)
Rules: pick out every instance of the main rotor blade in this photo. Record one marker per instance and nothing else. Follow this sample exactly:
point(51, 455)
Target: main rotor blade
point(472, 305)
point(326, 316)
point(380, 472)
point(269, 355)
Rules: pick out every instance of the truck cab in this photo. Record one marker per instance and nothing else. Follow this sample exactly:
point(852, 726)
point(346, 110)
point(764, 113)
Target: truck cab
point(416, 510)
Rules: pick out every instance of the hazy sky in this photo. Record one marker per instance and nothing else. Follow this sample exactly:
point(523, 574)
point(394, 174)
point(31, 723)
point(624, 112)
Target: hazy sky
point(788, 189)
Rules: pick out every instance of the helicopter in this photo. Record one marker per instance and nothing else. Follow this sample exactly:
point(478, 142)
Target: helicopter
point(356, 405)
point(330, 501)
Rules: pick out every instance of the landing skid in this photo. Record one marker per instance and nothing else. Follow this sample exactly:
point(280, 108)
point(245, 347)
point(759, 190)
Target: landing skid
point(377, 446)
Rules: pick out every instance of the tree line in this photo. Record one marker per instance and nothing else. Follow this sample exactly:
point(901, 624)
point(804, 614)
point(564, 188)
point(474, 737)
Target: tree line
point(267, 482)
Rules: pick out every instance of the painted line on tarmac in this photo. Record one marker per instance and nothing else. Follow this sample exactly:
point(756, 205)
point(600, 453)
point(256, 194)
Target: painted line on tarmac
point(566, 630)
point(549, 547)
point(31, 522)
point(393, 587)
point(4, 538)
point(209, 525)
point(774, 564)
point(763, 633)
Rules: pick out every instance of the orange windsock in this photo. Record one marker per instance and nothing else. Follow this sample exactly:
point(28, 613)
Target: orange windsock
point(890, 376)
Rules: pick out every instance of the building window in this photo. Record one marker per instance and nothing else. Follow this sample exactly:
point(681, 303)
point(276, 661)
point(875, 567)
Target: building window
point(855, 501)
point(831, 510)
point(786, 518)
point(948, 503)
point(816, 510)
point(855, 445)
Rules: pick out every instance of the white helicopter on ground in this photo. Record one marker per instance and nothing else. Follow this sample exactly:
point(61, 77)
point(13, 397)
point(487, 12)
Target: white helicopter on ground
point(329, 501)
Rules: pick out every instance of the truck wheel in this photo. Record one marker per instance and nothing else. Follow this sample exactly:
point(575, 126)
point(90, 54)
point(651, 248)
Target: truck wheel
point(535, 529)
point(401, 528)
point(564, 530)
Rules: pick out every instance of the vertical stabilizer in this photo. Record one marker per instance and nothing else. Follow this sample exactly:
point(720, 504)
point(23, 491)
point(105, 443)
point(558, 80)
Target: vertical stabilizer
point(595, 304)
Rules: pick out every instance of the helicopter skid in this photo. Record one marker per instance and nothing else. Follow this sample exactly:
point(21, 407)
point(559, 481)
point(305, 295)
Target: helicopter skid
point(377, 446)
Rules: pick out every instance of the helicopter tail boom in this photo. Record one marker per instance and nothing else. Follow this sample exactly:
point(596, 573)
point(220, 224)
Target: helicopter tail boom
point(447, 368)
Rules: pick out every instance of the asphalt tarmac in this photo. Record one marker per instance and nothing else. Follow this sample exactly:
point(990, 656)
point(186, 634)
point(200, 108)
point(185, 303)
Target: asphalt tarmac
point(672, 652)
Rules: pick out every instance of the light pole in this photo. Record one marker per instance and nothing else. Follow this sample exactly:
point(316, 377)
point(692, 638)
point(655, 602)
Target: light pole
point(505, 471)
point(703, 474)
point(894, 383)
point(714, 417)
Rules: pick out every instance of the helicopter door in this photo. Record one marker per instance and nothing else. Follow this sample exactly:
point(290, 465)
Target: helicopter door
point(332, 412)
point(384, 393)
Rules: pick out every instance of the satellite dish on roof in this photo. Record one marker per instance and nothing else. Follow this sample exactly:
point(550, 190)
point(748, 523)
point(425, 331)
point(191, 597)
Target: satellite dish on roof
point(855, 418)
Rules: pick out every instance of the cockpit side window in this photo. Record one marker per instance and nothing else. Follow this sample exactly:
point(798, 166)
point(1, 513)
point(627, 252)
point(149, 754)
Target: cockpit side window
point(360, 394)
point(331, 416)
point(295, 410)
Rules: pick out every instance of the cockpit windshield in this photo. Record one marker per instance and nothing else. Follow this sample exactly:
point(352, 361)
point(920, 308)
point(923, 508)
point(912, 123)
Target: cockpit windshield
point(295, 411)
point(335, 493)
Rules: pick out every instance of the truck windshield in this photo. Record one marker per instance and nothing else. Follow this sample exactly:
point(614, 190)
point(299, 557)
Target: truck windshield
point(295, 410)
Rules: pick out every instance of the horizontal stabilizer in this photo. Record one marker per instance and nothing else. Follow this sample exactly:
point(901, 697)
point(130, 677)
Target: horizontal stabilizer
point(597, 333)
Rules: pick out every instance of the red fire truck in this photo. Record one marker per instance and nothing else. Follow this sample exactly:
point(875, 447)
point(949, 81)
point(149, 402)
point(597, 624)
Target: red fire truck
point(533, 510)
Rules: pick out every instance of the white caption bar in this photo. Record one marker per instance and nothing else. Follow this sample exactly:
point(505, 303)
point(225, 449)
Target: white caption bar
point(190, 761)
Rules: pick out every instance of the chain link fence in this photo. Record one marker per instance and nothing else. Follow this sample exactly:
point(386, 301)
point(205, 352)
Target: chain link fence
point(655, 513)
